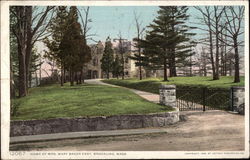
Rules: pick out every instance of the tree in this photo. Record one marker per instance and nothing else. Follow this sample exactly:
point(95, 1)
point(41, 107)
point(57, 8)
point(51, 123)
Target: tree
point(108, 57)
point(85, 28)
point(116, 67)
point(212, 18)
point(168, 42)
point(181, 38)
point(84, 55)
point(35, 64)
point(137, 57)
point(29, 28)
point(156, 52)
point(122, 51)
point(14, 64)
point(57, 27)
point(74, 46)
point(234, 20)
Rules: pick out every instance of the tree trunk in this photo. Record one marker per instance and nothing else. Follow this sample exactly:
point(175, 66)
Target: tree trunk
point(62, 74)
point(140, 67)
point(230, 67)
point(216, 77)
point(71, 77)
point(76, 77)
point(222, 56)
point(225, 57)
point(172, 64)
point(12, 88)
point(22, 73)
point(165, 70)
point(140, 72)
point(107, 74)
point(28, 41)
point(174, 69)
point(225, 64)
point(21, 37)
point(36, 79)
point(30, 80)
point(211, 46)
point(211, 54)
point(236, 65)
point(80, 78)
point(122, 66)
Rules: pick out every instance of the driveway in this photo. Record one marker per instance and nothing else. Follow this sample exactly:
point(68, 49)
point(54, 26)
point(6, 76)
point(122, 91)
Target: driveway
point(208, 131)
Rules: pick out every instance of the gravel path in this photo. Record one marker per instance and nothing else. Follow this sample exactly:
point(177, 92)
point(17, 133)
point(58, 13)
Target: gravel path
point(146, 95)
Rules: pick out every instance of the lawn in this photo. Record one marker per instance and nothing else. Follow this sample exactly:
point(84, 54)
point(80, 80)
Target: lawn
point(54, 101)
point(152, 84)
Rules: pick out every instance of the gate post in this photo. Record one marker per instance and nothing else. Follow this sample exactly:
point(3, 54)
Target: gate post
point(238, 99)
point(168, 95)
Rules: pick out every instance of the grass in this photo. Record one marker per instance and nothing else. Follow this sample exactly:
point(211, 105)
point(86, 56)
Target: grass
point(54, 101)
point(152, 84)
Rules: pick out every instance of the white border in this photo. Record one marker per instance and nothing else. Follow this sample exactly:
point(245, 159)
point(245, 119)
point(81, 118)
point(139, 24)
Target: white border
point(5, 93)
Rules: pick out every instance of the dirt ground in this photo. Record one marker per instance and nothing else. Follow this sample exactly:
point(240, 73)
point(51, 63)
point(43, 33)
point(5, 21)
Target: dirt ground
point(208, 131)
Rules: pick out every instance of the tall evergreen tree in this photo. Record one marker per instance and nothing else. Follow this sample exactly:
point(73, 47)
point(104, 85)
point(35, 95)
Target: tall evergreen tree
point(117, 67)
point(57, 28)
point(181, 42)
point(108, 57)
point(168, 42)
point(74, 46)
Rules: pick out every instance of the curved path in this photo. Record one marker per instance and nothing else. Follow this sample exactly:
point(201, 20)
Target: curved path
point(146, 95)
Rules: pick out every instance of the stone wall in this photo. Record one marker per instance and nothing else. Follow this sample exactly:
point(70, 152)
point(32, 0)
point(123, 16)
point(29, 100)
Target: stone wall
point(58, 125)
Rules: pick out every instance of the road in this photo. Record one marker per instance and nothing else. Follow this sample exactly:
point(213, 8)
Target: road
point(208, 131)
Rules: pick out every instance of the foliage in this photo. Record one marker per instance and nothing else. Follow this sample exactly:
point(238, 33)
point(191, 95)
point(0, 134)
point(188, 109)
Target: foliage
point(108, 57)
point(117, 67)
point(28, 26)
point(73, 45)
point(168, 42)
point(54, 101)
point(57, 28)
point(35, 63)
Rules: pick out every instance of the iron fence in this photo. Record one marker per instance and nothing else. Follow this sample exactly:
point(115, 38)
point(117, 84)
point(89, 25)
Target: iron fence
point(203, 99)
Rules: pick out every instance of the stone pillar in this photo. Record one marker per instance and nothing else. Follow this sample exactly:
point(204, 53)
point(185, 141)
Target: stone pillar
point(168, 95)
point(238, 99)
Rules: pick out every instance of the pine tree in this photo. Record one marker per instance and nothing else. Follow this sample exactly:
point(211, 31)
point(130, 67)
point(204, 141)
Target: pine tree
point(108, 57)
point(57, 28)
point(168, 42)
point(116, 67)
point(182, 44)
point(74, 46)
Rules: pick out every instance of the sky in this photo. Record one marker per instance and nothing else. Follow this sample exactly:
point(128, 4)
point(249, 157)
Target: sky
point(112, 20)
point(109, 21)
